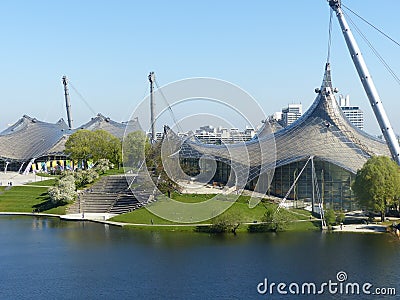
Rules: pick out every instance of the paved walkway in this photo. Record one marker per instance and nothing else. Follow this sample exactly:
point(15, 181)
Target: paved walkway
point(5, 213)
point(103, 218)
point(19, 179)
point(371, 228)
point(95, 217)
point(88, 217)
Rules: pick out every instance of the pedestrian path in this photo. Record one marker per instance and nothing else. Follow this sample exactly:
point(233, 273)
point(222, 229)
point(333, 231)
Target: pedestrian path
point(17, 179)
point(372, 228)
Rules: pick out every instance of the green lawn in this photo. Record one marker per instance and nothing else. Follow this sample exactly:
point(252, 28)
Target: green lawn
point(27, 199)
point(115, 171)
point(239, 208)
point(192, 198)
point(304, 226)
point(140, 216)
point(33, 196)
point(40, 174)
point(47, 182)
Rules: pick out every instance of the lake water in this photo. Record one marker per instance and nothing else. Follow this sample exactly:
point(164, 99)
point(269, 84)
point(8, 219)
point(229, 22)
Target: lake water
point(49, 258)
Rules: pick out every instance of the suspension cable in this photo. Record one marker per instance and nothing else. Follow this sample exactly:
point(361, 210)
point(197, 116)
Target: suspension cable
point(376, 53)
point(169, 107)
point(83, 99)
point(373, 26)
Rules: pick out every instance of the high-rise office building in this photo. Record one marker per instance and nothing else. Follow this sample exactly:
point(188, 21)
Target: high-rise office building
point(291, 113)
point(353, 113)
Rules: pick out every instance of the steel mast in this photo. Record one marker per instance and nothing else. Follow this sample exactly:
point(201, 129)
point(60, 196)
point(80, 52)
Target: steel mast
point(367, 83)
point(67, 102)
point(152, 79)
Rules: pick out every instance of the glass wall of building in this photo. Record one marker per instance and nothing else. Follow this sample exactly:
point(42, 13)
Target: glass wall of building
point(190, 166)
point(333, 184)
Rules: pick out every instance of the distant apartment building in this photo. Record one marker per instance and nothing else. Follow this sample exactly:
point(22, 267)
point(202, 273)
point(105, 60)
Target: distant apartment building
point(353, 113)
point(288, 115)
point(210, 135)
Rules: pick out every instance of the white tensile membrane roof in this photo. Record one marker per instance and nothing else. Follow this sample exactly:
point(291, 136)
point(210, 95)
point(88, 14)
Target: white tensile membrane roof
point(322, 132)
point(30, 138)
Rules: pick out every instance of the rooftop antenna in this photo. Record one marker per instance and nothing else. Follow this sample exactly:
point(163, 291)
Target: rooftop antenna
point(367, 83)
point(152, 79)
point(67, 102)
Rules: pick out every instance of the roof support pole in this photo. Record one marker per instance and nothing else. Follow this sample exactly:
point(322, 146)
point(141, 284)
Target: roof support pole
point(152, 121)
point(313, 185)
point(28, 167)
point(282, 203)
point(367, 83)
point(67, 101)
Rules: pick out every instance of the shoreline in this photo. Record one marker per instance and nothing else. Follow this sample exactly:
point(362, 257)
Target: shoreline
point(102, 219)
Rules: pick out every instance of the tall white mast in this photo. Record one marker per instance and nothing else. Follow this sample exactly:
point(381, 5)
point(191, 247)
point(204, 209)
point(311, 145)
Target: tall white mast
point(367, 83)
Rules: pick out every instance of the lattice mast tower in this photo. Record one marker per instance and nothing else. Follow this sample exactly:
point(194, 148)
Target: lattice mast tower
point(367, 83)
point(67, 101)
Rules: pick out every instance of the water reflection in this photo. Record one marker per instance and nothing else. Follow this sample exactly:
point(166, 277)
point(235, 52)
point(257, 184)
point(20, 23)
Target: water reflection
point(88, 260)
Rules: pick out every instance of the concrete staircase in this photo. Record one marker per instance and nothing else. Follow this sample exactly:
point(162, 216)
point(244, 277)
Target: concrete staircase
point(111, 194)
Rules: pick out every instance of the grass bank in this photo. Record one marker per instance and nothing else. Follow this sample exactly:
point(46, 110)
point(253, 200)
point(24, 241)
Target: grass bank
point(43, 183)
point(298, 219)
point(28, 198)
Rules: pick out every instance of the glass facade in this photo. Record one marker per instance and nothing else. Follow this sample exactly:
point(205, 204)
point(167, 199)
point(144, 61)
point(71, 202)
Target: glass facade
point(333, 184)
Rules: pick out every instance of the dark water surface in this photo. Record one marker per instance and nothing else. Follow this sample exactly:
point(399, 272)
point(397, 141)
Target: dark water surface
point(46, 257)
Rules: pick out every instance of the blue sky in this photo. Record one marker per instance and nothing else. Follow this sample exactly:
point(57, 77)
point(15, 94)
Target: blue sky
point(275, 50)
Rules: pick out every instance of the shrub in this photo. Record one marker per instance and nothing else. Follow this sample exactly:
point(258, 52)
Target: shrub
point(103, 165)
point(84, 177)
point(259, 227)
point(334, 218)
point(224, 223)
point(63, 191)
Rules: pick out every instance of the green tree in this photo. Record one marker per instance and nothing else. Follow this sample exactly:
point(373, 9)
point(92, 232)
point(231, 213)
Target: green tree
point(340, 217)
point(115, 152)
point(274, 221)
point(330, 217)
point(87, 145)
point(106, 146)
point(377, 184)
point(154, 163)
point(135, 146)
point(226, 222)
point(79, 146)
